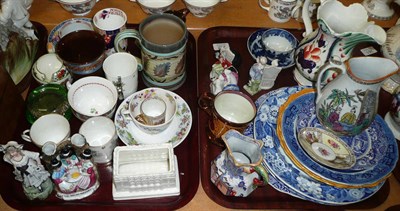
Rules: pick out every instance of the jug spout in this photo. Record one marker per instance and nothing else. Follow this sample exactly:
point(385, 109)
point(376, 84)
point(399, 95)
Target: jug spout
point(375, 32)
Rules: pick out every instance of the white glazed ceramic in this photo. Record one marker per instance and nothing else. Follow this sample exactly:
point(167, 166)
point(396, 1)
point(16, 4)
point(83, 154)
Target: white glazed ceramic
point(201, 8)
point(379, 9)
point(125, 66)
point(109, 22)
point(49, 69)
point(326, 148)
point(391, 48)
point(278, 10)
point(66, 27)
point(133, 112)
point(348, 104)
point(341, 28)
point(101, 136)
point(78, 7)
point(130, 134)
point(49, 127)
point(155, 6)
point(92, 96)
point(158, 175)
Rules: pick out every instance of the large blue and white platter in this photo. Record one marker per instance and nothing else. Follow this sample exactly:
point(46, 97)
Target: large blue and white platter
point(376, 146)
point(287, 177)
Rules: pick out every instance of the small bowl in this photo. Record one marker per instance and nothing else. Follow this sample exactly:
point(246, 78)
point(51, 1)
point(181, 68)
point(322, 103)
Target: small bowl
point(326, 148)
point(92, 96)
point(280, 44)
point(78, 7)
point(134, 109)
point(46, 99)
point(155, 6)
point(201, 9)
point(66, 27)
point(82, 52)
point(49, 69)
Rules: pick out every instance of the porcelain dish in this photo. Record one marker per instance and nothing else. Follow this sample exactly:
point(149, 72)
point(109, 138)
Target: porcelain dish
point(256, 48)
point(377, 143)
point(284, 175)
point(177, 131)
point(391, 48)
point(326, 148)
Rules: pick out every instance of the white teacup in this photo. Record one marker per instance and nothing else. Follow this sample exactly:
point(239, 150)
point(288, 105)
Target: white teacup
point(92, 96)
point(48, 128)
point(155, 6)
point(202, 8)
point(49, 69)
point(109, 22)
point(134, 113)
point(124, 66)
point(279, 10)
point(101, 135)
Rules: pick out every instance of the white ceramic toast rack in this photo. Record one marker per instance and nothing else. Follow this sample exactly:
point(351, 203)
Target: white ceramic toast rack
point(145, 171)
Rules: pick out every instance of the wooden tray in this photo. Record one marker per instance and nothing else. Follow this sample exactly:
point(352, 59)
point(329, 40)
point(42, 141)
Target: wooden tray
point(187, 153)
point(266, 197)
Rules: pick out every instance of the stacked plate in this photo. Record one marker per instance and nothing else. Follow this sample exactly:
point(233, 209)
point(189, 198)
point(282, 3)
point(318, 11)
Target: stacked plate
point(282, 113)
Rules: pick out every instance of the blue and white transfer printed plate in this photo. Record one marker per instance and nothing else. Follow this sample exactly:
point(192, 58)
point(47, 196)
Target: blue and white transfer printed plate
point(286, 177)
point(378, 141)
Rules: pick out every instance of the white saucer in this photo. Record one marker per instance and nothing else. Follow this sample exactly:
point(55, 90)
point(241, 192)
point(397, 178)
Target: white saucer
point(180, 126)
point(393, 126)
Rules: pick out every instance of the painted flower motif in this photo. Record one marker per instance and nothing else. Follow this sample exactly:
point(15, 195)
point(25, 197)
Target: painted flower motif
point(268, 142)
point(242, 185)
point(356, 193)
point(312, 53)
point(231, 169)
point(311, 187)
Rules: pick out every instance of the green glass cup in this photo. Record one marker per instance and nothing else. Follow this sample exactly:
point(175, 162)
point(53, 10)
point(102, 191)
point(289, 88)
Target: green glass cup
point(46, 99)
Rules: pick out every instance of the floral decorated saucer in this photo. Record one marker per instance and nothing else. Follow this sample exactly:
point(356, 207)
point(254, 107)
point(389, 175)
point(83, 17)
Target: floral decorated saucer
point(326, 148)
point(177, 131)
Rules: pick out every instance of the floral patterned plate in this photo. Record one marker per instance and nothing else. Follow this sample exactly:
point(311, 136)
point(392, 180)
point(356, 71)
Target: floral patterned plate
point(380, 156)
point(287, 178)
point(180, 126)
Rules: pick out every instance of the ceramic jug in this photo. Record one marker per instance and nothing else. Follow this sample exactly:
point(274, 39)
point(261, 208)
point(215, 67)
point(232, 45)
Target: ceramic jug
point(348, 104)
point(237, 171)
point(340, 29)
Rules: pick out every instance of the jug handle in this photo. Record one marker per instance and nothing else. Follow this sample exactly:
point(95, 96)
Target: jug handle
point(327, 66)
point(306, 18)
point(264, 175)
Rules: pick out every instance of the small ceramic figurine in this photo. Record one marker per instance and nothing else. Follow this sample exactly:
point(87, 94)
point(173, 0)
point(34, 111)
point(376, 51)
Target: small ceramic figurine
point(75, 176)
point(262, 75)
point(29, 170)
point(223, 73)
point(17, 12)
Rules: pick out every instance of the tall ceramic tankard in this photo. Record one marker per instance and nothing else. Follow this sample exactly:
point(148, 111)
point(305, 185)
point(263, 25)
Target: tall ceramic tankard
point(237, 171)
point(340, 29)
point(348, 104)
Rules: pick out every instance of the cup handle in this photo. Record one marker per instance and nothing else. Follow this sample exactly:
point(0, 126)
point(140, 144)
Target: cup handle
point(332, 64)
point(25, 136)
point(296, 12)
point(206, 102)
point(260, 3)
point(125, 114)
point(127, 33)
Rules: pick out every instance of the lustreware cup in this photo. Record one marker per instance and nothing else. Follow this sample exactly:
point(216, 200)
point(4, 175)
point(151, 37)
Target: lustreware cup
point(228, 110)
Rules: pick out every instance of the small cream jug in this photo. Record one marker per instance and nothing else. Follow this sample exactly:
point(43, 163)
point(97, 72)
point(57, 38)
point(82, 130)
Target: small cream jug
point(238, 171)
point(348, 104)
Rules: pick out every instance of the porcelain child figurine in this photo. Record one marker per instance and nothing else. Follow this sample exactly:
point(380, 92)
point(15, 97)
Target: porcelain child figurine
point(29, 170)
point(262, 75)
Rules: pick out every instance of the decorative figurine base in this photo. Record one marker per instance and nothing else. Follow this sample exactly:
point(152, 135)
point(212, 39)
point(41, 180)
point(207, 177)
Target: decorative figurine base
point(393, 126)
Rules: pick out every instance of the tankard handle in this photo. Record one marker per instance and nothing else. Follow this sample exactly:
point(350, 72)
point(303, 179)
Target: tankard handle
point(332, 64)
point(264, 175)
